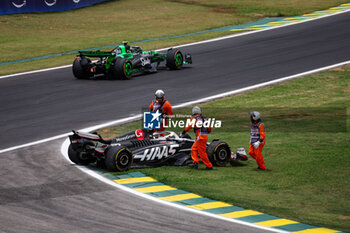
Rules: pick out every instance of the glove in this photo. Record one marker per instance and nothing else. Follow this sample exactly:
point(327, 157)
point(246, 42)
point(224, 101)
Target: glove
point(256, 144)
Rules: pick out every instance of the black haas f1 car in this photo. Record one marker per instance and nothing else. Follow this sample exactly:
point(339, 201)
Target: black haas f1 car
point(124, 61)
point(140, 149)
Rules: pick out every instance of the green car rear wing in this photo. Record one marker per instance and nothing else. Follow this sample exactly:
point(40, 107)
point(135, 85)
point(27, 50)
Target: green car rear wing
point(96, 53)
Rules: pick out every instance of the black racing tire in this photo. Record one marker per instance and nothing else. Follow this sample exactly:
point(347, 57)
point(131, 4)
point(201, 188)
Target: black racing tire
point(174, 59)
point(122, 69)
point(219, 153)
point(119, 159)
point(81, 68)
point(74, 155)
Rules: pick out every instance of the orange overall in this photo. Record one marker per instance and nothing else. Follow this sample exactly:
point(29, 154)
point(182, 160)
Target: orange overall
point(200, 144)
point(165, 108)
point(257, 134)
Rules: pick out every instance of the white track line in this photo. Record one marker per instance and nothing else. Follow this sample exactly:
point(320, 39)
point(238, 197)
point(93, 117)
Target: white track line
point(206, 99)
point(194, 43)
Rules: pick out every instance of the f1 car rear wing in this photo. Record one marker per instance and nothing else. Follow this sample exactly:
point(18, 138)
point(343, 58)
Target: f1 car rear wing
point(90, 136)
point(97, 53)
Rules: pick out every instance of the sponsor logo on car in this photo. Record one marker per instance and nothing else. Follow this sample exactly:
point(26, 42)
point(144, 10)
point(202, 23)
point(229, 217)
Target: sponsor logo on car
point(124, 138)
point(140, 135)
point(158, 152)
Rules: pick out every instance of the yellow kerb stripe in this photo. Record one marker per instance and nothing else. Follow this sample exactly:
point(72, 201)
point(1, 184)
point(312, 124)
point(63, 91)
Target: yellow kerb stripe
point(155, 189)
point(282, 21)
point(240, 214)
point(210, 205)
point(135, 180)
point(257, 26)
point(180, 197)
point(317, 230)
point(276, 222)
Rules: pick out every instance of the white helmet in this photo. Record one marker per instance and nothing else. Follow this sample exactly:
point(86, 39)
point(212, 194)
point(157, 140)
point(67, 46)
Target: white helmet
point(255, 115)
point(196, 110)
point(159, 94)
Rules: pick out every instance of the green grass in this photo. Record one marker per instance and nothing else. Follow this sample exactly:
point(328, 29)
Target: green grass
point(309, 181)
point(38, 34)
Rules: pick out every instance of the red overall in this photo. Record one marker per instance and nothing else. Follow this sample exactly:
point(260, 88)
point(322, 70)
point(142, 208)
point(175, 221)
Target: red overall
point(165, 108)
point(257, 133)
point(200, 144)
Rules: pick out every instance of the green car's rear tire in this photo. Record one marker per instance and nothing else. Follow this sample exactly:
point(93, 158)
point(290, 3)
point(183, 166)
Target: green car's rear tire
point(119, 159)
point(174, 59)
point(122, 69)
point(81, 68)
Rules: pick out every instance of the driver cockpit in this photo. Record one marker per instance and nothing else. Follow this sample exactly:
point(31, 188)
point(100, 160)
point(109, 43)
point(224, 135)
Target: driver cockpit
point(136, 50)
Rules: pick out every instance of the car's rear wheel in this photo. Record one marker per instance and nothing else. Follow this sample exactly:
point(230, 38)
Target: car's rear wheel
point(119, 158)
point(122, 69)
point(81, 68)
point(174, 59)
point(219, 153)
point(81, 157)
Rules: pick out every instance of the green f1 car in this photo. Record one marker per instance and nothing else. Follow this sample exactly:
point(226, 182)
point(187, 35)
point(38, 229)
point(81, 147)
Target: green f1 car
point(124, 61)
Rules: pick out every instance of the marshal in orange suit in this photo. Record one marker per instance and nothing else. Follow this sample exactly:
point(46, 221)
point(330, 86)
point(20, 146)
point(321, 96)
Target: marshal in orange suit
point(200, 144)
point(163, 106)
point(257, 139)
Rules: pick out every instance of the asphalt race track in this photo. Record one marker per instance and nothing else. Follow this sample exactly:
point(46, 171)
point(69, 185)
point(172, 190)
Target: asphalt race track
point(41, 192)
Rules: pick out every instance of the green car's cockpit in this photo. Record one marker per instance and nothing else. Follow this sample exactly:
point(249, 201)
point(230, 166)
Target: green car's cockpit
point(136, 50)
point(126, 51)
point(122, 51)
point(117, 51)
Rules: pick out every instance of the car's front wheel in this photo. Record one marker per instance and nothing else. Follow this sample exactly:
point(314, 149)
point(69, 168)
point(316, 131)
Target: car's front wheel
point(219, 153)
point(174, 59)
